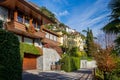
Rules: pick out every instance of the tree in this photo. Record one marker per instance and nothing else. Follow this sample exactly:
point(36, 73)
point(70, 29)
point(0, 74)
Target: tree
point(90, 48)
point(105, 62)
point(114, 25)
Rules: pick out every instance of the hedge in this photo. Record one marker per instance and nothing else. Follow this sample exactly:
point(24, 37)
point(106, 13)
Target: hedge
point(10, 60)
point(29, 49)
point(70, 63)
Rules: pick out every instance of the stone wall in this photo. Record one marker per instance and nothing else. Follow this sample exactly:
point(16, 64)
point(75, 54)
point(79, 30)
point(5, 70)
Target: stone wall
point(50, 56)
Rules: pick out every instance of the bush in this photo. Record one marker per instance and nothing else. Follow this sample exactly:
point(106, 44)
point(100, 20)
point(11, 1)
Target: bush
point(10, 60)
point(65, 64)
point(76, 53)
point(70, 63)
point(75, 63)
point(81, 54)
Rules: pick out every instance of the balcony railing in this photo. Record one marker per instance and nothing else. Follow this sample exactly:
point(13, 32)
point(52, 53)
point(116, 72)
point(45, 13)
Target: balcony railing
point(51, 42)
point(21, 29)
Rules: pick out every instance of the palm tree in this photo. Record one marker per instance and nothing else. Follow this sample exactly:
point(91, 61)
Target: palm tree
point(114, 25)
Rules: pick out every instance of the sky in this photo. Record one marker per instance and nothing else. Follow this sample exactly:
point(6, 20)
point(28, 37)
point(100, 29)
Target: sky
point(79, 14)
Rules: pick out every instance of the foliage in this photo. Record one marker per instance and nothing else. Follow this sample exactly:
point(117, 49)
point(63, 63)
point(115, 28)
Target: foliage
point(115, 74)
point(10, 60)
point(48, 13)
point(105, 62)
point(98, 74)
point(115, 7)
point(114, 25)
point(90, 45)
point(1, 23)
point(27, 48)
point(49, 26)
point(76, 53)
point(66, 66)
point(70, 63)
point(75, 63)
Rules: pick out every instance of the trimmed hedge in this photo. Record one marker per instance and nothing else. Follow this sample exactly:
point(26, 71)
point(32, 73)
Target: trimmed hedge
point(10, 60)
point(75, 63)
point(28, 48)
point(66, 64)
point(70, 63)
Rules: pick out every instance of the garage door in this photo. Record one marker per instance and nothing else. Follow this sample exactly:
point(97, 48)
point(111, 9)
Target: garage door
point(29, 62)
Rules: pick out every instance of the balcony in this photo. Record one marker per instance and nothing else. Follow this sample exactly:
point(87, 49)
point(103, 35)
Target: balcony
point(50, 42)
point(20, 28)
point(53, 44)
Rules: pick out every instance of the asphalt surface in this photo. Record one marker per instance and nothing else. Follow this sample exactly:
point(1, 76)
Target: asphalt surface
point(84, 74)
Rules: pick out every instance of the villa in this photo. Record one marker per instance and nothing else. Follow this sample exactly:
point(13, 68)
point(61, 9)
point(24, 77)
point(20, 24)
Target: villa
point(27, 22)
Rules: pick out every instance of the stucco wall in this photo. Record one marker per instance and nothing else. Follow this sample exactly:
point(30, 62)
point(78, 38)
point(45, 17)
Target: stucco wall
point(88, 64)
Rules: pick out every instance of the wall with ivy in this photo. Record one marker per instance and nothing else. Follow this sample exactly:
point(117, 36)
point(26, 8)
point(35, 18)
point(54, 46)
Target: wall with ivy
point(29, 49)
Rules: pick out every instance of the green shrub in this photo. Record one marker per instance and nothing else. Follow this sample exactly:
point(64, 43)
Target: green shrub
point(75, 63)
point(28, 48)
point(10, 60)
point(81, 54)
point(70, 63)
point(66, 64)
point(76, 53)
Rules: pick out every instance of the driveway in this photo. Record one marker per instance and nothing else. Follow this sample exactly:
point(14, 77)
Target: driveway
point(84, 74)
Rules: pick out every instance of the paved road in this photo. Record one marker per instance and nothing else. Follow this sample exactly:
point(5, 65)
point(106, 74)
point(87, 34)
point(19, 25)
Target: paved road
point(85, 74)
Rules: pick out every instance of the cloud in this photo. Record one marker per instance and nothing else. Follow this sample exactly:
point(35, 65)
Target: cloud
point(64, 13)
point(65, 2)
point(93, 16)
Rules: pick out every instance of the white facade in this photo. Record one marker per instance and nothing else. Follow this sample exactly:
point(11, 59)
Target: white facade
point(51, 36)
point(69, 30)
point(88, 64)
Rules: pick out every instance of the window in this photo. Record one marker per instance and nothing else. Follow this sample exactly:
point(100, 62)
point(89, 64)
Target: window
point(38, 26)
point(51, 36)
point(26, 20)
point(28, 40)
point(55, 38)
point(20, 18)
point(34, 23)
point(47, 35)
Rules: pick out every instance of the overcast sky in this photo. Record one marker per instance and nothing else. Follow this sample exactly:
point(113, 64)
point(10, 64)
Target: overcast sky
point(79, 14)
